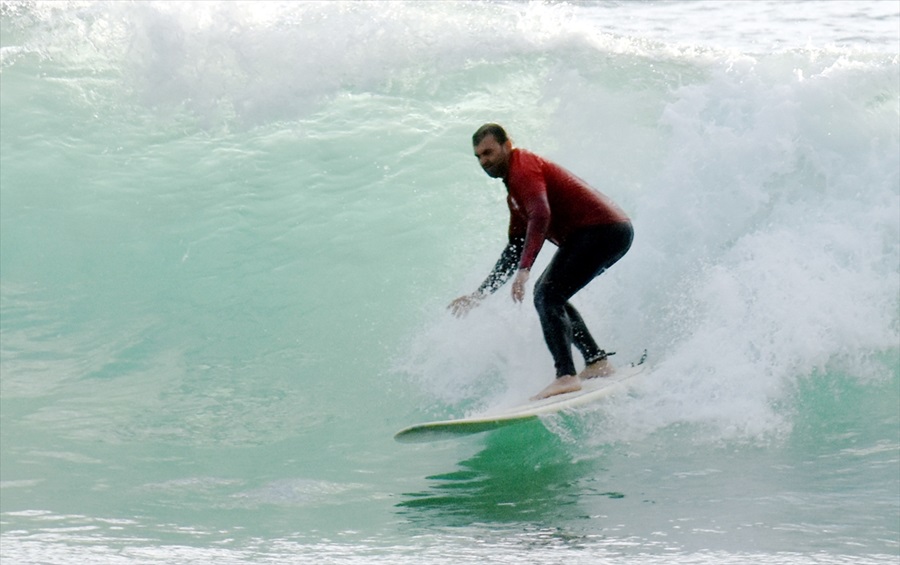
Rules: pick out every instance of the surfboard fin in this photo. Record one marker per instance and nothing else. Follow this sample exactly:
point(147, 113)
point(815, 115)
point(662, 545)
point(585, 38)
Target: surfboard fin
point(641, 360)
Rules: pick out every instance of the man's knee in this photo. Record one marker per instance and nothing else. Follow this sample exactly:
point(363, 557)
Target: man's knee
point(547, 301)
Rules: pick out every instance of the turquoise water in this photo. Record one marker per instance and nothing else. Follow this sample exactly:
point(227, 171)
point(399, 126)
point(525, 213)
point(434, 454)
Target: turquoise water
point(229, 232)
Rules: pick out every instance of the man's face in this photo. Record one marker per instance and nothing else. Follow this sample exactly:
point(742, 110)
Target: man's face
point(493, 157)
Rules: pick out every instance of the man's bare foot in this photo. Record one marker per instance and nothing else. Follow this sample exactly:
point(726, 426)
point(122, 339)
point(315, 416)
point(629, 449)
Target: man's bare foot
point(562, 385)
point(601, 368)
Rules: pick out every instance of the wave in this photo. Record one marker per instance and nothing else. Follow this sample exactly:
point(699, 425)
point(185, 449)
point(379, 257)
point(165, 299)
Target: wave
point(765, 189)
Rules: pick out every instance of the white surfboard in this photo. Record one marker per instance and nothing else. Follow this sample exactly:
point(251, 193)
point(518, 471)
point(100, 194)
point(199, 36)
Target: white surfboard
point(591, 391)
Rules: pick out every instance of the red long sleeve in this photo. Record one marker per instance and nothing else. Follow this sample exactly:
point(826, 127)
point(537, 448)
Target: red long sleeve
point(548, 202)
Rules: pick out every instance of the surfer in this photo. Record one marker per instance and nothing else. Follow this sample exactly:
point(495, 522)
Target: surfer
point(547, 202)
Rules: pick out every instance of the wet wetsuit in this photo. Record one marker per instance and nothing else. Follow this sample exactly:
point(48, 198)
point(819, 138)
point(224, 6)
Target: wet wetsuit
point(546, 202)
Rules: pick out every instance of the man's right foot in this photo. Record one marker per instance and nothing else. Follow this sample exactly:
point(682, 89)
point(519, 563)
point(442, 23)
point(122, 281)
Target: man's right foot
point(561, 385)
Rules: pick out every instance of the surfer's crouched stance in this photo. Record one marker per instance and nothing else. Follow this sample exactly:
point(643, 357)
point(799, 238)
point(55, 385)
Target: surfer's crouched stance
point(546, 202)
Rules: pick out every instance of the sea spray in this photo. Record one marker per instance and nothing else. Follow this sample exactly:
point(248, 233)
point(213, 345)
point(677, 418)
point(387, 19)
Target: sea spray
point(764, 192)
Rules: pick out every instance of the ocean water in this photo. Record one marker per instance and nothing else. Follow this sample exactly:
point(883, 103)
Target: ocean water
point(229, 232)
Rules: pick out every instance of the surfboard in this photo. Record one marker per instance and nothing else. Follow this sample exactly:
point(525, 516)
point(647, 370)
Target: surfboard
point(592, 390)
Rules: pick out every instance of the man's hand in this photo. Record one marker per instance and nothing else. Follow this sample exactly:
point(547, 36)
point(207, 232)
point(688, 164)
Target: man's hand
point(518, 286)
point(461, 306)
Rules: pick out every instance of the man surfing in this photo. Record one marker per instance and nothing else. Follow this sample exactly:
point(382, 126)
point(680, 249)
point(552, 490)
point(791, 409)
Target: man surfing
point(547, 202)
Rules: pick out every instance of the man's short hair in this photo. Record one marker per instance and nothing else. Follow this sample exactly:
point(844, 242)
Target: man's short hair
point(490, 129)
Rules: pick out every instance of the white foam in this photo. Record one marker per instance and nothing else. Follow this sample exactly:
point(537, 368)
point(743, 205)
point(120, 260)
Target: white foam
point(765, 197)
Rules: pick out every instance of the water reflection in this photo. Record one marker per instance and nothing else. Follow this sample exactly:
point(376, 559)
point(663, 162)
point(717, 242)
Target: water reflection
point(524, 473)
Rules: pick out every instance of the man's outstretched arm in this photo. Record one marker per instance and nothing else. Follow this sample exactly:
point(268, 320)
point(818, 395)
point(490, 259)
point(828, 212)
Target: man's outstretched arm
point(502, 271)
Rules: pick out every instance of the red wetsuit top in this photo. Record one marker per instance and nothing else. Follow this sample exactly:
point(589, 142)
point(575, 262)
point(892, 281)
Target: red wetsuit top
point(548, 202)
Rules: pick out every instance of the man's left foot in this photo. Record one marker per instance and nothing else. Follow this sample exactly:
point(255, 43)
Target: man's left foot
point(562, 385)
point(601, 368)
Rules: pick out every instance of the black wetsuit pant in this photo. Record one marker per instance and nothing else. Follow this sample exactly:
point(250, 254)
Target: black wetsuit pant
point(586, 253)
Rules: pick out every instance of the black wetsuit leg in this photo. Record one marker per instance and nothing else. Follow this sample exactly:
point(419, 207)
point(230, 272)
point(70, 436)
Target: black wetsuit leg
point(585, 254)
